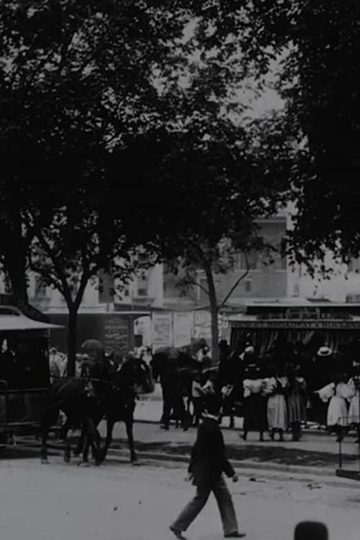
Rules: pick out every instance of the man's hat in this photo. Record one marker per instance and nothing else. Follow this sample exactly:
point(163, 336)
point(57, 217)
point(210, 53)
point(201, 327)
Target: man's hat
point(252, 368)
point(324, 351)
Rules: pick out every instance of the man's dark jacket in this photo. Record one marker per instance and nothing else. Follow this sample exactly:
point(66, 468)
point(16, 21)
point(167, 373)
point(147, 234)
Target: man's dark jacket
point(208, 459)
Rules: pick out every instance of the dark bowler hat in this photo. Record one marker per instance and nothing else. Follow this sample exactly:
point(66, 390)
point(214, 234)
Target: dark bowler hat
point(252, 369)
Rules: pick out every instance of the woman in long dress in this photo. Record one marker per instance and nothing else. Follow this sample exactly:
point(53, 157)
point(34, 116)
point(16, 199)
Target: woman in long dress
point(296, 401)
point(354, 408)
point(254, 402)
point(337, 393)
point(277, 416)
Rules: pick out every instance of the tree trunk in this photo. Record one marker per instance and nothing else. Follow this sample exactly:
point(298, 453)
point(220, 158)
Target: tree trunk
point(15, 266)
point(16, 269)
point(71, 340)
point(213, 312)
point(14, 249)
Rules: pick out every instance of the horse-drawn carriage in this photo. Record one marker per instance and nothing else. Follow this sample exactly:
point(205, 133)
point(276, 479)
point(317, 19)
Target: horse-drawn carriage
point(24, 372)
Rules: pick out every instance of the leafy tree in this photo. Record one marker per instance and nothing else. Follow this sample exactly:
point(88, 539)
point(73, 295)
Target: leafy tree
point(88, 89)
point(203, 178)
point(317, 45)
point(75, 77)
point(70, 252)
point(212, 185)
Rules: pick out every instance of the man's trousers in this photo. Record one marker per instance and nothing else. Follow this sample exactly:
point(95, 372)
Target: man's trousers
point(224, 502)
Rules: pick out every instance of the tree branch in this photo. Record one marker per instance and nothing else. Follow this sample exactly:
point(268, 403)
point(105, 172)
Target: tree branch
point(65, 289)
point(236, 282)
point(49, 279)
point(80, 293)
point(194, 282)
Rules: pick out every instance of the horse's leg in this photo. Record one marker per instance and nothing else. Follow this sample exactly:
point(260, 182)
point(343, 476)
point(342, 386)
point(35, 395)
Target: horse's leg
point(96, 447)
point(64, 436)
point(108, 439)
point(48, 417)
point(45, 425)
point(91, 438)
point(95, 441)
point(81, 442)
point(84, 444)
point(129, 422)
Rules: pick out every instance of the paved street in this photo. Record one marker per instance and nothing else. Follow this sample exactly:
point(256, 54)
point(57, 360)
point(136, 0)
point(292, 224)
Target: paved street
point(120, 502)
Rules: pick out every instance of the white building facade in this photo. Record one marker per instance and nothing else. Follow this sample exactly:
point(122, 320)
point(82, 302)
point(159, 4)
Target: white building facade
point(159, 311)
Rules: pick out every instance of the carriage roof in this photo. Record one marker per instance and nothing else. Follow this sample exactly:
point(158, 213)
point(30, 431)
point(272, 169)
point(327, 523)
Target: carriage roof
point(12, 319)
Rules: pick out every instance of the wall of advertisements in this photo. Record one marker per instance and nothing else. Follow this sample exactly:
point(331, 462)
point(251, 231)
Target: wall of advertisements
point(177, 329)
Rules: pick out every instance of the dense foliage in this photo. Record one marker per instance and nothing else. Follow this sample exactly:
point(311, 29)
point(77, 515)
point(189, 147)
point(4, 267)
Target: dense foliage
point(317, 44)
point(123, 125)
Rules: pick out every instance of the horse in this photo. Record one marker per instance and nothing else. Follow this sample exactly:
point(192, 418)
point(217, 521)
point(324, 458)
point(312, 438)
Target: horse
point(176, 368)
point(79, 399)
point(165, 368)
point(228, 386)
point(118, 405)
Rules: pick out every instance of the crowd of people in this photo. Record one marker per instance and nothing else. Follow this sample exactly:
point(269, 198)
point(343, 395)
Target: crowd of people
point(58, 361)
point(272, 396)
point(279, 396)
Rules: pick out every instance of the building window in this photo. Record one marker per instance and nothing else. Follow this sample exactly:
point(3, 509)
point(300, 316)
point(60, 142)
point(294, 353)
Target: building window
point(142, 291)
point(353, 298)
point(251, 259)
point(248, 285)
point(354, 265)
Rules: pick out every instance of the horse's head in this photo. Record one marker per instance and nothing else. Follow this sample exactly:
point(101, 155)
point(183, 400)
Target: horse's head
point(93, 349)
point(135, 374)
point(144, 382)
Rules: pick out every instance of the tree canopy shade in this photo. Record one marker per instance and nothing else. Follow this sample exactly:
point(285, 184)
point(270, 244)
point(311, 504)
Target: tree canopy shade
point(199, 192)
point(77, 77)
point(74, 77)
point(115, 132)
point(319, 43)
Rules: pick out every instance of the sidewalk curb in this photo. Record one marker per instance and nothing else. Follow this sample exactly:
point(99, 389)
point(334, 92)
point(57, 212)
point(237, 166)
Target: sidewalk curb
point(251, 470)
point(254, 471)
point(306, 431)
point(246, 464)
point(240, 464)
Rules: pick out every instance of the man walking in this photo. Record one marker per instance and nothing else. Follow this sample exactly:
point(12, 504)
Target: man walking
point(207, 464)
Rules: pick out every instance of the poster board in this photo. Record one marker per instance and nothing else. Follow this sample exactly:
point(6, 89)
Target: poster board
point(182, 328)
point(202, 326)
point(162, 330)
point(116, 335)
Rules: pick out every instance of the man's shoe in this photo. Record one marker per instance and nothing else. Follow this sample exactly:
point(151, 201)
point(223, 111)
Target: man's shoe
point(235, 535)
point(177, 533)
